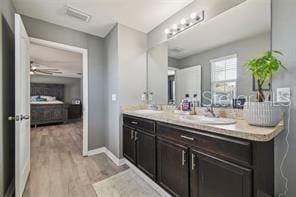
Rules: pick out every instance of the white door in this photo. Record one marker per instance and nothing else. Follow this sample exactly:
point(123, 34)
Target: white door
point(188, 81)
point(22, 106)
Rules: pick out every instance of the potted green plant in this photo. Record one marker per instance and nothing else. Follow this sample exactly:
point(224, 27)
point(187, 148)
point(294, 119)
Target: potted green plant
point(263, 112)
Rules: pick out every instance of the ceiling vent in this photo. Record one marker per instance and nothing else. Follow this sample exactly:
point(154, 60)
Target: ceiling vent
point(77, 14)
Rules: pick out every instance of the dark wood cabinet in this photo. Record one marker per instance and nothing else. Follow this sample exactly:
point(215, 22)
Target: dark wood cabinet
point(212, 177)
point(129, 143)
point(187, 162)
point(172, 163)
point(146, 153)
point(139, 144)
point(74, 111)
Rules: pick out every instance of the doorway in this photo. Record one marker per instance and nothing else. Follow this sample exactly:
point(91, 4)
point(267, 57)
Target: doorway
point(84, 53)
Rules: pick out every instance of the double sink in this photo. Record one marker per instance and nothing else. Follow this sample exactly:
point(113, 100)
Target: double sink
point(193, 119)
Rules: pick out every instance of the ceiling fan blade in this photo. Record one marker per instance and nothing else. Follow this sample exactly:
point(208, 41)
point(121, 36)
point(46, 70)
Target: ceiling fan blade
point(43, 72)
point(46, 62)
point(48, 69)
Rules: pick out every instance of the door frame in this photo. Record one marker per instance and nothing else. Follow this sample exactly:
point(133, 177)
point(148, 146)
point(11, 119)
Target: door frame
point(84, 53)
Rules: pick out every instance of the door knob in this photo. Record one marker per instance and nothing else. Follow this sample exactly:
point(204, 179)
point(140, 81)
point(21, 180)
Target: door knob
point(12, 118)
point(25, 117)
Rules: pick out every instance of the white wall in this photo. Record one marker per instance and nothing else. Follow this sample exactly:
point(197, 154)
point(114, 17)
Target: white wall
point(158, 73)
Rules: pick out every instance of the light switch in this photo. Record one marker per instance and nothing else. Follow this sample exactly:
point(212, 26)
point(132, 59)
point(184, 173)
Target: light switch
point(113, 97)
point(283, 95)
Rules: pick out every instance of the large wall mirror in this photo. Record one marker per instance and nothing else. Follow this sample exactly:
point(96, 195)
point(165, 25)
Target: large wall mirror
point(206, 61)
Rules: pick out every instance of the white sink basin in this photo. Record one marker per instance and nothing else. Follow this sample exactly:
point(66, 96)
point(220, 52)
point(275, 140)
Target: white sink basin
point(148, 111)
point(208, 120)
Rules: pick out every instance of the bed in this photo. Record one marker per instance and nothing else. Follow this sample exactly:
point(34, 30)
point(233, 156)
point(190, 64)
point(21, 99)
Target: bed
point(49, 107)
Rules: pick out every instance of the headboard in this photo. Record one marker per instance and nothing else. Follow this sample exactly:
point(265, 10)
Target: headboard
point(44, 89)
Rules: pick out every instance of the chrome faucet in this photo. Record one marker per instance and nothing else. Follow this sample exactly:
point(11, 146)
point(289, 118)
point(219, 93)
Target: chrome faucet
point(210, 108)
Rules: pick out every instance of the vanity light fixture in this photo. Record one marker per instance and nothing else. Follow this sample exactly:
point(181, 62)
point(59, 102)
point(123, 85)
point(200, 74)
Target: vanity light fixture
point(185, 23)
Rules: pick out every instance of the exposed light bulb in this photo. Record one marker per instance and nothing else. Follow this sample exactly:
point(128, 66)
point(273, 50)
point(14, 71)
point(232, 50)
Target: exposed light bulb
point(34, 67)
point(174, 33)
point(174, 26)
point(182, 28)
point(167, 31)
point(193, 15)
point(183, 21)
point(31, 73)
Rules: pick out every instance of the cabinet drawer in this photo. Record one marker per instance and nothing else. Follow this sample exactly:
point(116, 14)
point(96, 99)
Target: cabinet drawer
point(227, 148)
point(139, 123)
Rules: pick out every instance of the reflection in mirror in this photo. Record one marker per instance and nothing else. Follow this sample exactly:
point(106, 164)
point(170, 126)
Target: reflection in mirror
point(206, 62)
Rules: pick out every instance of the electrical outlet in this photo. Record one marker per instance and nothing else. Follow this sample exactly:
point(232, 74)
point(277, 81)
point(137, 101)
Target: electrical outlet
point(113, 97)
point(283, 95)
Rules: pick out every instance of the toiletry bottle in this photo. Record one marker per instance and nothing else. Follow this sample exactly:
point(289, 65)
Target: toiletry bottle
point(186, 103)
point(144, 97)
point(194, 103)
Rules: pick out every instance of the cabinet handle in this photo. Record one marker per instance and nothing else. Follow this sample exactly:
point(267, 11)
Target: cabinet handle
point(187, 138)
point(134, 122)
point(183, 157)
point(136, 136)
point(193, 161)
point(132, 134)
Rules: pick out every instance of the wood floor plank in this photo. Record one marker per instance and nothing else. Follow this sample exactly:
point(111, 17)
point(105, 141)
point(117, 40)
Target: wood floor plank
point(58, 168)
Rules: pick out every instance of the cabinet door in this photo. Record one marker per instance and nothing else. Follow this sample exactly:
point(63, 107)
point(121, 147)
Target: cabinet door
point(146, 155)
point(212, 177)
point(172, 164)
point(129, 146)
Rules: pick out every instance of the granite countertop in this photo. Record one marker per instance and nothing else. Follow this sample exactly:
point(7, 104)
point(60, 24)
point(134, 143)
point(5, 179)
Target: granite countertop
point(241, 129)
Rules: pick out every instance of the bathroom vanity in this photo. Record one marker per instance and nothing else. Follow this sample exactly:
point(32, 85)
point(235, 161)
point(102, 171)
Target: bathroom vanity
point(201, 160)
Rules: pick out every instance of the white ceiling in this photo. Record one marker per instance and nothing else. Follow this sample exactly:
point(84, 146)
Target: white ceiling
point(250, 18)
point(142, 15)
point(67, 62)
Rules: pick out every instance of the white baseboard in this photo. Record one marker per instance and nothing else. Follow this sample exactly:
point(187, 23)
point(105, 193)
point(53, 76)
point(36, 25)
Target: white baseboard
point(115, 159)
point(96, 151)
point(107, 152)
point(154, 185)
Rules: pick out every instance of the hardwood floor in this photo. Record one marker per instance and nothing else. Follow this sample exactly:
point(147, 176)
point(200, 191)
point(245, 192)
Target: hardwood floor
point(58, 168)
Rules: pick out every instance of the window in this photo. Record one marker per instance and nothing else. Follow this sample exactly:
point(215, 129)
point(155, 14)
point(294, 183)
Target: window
point(223, 80)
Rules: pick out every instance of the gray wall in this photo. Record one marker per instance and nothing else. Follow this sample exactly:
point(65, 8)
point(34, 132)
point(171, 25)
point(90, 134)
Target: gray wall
point(72, 88)
point(212, 8)
point(132, 59)
point(112, 78)
point(158, 73)
point(126, 77)
point(283, 39)
point(244, 49)
point(172, 62)
point(95, 45)
point(7, 10)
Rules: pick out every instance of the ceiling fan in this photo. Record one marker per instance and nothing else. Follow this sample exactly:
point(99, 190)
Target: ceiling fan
point(35, 68)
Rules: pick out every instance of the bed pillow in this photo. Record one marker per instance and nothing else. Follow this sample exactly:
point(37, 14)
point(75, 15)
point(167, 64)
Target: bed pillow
point(49, 98)
point(39, 98)
point(33, 98)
